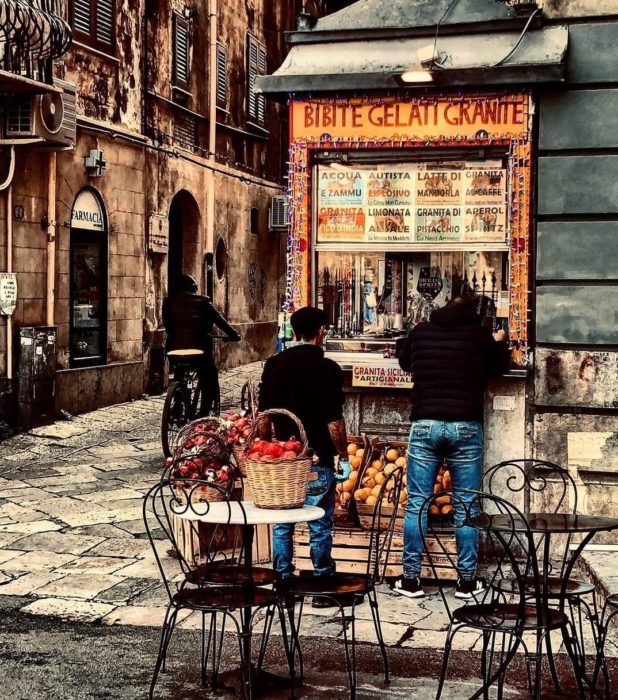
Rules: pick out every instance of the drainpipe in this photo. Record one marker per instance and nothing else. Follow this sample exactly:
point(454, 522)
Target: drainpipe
point(212, 123)
point(8, 186)
point(9, 268)
point(51, 239)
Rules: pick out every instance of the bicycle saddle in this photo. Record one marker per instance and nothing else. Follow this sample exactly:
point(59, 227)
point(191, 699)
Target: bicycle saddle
point(185, 352)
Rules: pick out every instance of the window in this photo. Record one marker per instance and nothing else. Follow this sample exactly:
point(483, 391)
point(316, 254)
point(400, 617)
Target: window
point(221, 76)
point(181, 53)
point(93, 23)
point(256, 65)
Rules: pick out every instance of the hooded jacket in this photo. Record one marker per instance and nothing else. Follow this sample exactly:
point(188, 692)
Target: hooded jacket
point(452, 357)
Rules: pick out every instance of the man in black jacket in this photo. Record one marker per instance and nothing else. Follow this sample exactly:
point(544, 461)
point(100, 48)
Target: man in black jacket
point(189, 318)
point(309, 385)
point(452, 358)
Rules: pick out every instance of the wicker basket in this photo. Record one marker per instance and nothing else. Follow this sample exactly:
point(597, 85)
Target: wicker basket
point(197, 494)
point(239, 457)
point(282, 483)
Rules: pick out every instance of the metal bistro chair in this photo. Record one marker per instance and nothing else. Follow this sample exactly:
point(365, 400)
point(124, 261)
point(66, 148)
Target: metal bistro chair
point(502, 617)
point(218, 587)
point(342, 586)
point(610, 610)
point(543, 478)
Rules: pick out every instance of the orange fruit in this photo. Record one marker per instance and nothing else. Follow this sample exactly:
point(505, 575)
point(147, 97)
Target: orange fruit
point(347, 485)
point(401, 462)
point(389, 468)
point(392, 454)
point(355, 461)
point(375, 491)
point(359, 495)
point(434, 510)
point(377, 464)
point(371, 501)
point(360, 453)
point(380, 478)
point(369, 482)
point(353, 477)
point(352, 448)
point(345, 497)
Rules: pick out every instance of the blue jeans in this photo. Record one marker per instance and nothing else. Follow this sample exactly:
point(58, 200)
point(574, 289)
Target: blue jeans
point(321, 493)
point(461, 443)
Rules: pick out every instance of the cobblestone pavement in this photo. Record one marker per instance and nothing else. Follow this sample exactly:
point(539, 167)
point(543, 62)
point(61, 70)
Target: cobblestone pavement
point(72, 542)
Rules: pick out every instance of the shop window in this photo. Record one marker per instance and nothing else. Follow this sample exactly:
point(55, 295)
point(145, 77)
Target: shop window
point(93, 23)
point(395, 242)
point(181, 51)
point(221, 76)
point(88, 281)
point(256, 65)
point(220, 258)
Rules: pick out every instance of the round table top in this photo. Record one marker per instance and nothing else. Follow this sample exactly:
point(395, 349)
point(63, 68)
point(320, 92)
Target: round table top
point(558, 523)
point(247, 513)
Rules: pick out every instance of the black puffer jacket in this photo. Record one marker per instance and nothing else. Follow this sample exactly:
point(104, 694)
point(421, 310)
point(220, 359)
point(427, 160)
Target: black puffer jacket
point(451, 358)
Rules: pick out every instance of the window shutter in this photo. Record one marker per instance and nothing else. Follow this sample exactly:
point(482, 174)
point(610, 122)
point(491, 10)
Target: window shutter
point(181, 52)
point(261, 99)
point(252, 68)
point(221, 75)
point(81, 16)
point(105, 22)
point(256, 65)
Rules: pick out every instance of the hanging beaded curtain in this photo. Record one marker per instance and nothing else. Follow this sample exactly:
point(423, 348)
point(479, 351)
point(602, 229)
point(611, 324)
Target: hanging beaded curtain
point(32, 34)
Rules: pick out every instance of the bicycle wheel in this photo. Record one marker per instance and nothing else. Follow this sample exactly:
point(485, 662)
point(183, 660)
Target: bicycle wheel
point(176, 413)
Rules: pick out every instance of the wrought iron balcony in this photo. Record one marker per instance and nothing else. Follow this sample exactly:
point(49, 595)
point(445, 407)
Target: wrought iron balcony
point(32, 34)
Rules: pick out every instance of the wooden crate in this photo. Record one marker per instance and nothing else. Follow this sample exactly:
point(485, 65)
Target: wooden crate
point(192, 538)
point(351, 551)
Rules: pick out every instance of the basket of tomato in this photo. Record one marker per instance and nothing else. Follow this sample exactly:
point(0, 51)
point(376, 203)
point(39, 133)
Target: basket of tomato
point(277, 470)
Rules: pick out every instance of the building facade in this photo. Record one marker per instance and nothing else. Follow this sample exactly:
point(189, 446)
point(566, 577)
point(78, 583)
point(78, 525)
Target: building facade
point(512, 93)
point(169, 167)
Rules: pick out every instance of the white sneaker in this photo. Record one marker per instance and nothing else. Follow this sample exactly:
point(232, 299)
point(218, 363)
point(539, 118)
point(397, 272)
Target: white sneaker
point(410, 587)
point(469, 589)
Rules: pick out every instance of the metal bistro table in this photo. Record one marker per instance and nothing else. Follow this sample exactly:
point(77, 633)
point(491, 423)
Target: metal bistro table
point(545, 525)
point(248, 515)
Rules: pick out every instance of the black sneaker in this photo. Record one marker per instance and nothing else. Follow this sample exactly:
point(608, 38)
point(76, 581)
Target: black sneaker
point(410, 587)
point(468, 589)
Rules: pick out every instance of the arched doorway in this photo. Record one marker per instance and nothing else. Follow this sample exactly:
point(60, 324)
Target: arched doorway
point(184, 238)
point(88, 280)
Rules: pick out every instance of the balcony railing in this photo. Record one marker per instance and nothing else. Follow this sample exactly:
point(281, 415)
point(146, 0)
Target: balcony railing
point(32, 34)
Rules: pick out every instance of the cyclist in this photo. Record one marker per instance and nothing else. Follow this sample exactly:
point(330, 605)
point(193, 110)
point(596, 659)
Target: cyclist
point(189, 318)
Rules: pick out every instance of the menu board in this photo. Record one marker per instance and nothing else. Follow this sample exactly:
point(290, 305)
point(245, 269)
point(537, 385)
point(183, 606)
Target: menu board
point(412, 203)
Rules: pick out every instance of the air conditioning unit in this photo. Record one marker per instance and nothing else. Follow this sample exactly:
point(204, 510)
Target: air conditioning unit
point(48, 119)
point(278, 213)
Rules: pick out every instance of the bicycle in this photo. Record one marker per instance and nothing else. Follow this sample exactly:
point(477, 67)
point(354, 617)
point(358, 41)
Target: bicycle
point(183, 396)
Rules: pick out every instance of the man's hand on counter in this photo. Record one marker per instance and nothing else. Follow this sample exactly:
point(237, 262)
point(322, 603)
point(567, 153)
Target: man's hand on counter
point(500, 336)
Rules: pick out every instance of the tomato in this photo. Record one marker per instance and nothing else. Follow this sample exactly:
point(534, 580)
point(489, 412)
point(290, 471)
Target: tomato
point(267, 458)
point(289, 454)
point(233, 417)
point(294, 445)
point(255, 456)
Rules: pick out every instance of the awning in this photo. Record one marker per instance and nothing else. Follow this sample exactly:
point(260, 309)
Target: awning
point(465, 59)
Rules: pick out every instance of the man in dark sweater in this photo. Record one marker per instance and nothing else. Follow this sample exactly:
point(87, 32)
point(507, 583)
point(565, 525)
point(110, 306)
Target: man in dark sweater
point(452, 358)
point(303, 381)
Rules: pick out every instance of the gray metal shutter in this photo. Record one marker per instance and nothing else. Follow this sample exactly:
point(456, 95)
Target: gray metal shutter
point(221, 75)
point(105, 22)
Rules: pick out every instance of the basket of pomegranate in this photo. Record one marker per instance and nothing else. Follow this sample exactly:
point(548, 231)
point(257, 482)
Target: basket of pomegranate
point(193, 477)
point(239, 429)
point(277, 470)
